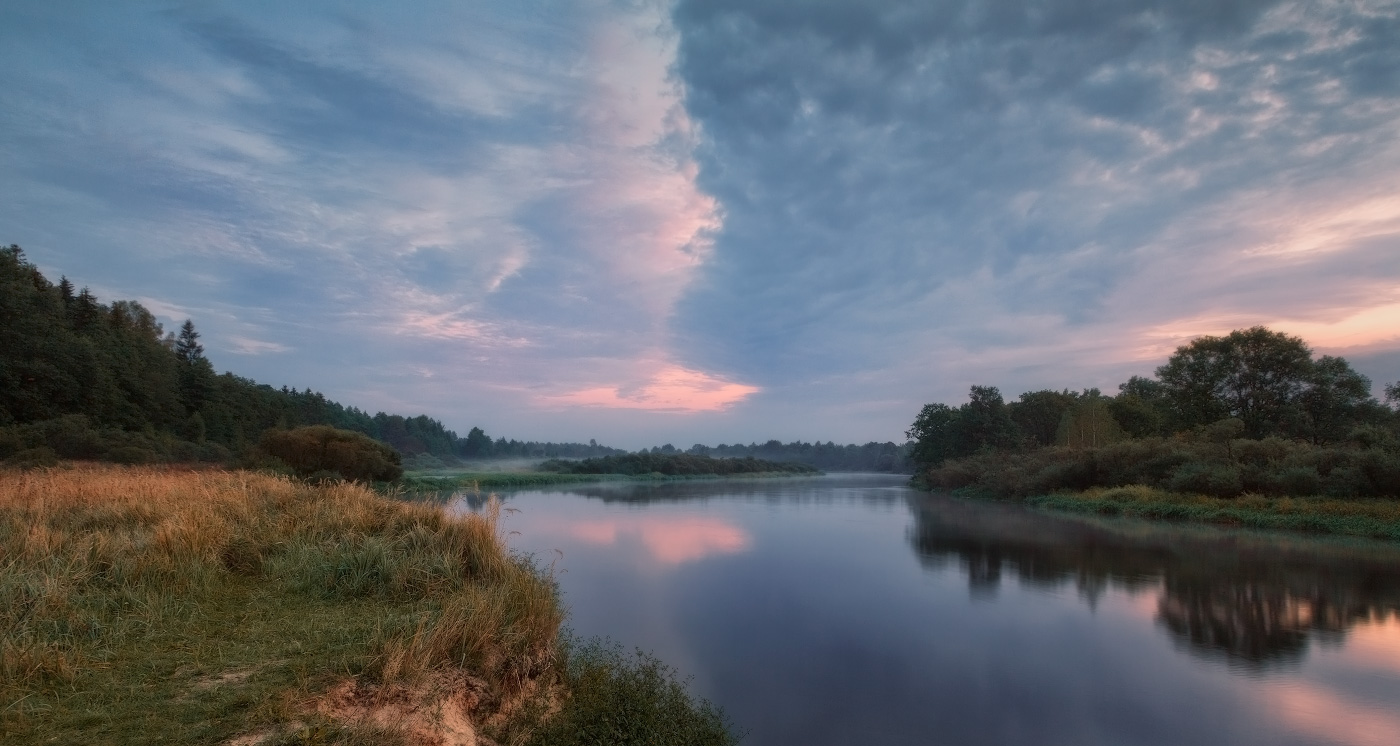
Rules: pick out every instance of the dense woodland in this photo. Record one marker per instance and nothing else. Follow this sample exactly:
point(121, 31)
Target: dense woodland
point(84, 379)
point(1250, 412)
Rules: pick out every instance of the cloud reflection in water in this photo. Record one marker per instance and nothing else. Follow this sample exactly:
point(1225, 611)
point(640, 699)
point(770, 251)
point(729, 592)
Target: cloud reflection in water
point(670, 541)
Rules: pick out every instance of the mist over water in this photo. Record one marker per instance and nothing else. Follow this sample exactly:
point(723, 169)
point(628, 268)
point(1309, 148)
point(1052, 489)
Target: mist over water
point(852, 609)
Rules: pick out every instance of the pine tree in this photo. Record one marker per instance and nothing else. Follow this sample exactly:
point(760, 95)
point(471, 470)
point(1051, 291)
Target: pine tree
point(187, 346)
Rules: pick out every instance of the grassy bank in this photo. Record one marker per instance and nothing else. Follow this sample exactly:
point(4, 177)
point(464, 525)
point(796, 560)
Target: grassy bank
point(1371, 518)
point(142, 605)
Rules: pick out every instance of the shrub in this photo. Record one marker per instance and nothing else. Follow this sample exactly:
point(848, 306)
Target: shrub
point(622, 700)
point(1216, 480)
point(132, 455)
point(32, 458)
point(321, 448)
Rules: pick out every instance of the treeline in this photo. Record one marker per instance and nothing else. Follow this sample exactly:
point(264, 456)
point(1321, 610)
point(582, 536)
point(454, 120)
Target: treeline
point(884, 457)
point(1250, 412)
point(90, 380)
point(674, 464)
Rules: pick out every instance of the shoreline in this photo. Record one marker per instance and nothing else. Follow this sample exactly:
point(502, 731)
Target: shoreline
point(421, 483)
point(1367, 518)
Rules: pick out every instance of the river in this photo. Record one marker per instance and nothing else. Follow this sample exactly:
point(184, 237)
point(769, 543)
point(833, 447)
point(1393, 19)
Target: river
point(851, 609)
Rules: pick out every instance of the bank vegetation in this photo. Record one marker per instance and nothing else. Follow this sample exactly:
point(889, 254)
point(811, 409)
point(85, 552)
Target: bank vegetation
point(147, 604)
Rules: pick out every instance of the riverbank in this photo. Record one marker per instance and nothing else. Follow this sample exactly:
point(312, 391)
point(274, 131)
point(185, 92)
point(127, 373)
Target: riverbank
point(1372, 518)
point(475, 481)
point(143, 605)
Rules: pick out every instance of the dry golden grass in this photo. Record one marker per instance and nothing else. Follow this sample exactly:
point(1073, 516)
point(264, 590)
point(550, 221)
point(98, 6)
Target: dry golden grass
point(117, 585)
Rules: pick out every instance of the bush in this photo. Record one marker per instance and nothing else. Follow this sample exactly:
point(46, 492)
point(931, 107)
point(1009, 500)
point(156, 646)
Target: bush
point(1271, 466)
point(619, 700)
point(132, 455)
point(321, 448)
point(1298, 480)
point(32, 458)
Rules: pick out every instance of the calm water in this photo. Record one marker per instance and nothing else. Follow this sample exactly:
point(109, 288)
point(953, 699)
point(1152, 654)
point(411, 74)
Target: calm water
point(852, 610)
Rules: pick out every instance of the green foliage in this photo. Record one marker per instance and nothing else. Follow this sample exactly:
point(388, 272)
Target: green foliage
point(1089, 423)
point(318, 449)
point(1250, 384)
point(1270, 382)
point(67, 354)
point(31, 458)
point(1039, 414)
point(621, 700)
point(1205, 465)
point(983, 423)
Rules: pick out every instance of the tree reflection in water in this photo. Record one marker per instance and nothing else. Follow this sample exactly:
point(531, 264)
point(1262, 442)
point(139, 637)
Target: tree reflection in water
point(1250, 599)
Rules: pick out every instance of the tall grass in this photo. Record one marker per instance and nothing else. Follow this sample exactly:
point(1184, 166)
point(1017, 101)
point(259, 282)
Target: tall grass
point(144, 605)
point(105, 571)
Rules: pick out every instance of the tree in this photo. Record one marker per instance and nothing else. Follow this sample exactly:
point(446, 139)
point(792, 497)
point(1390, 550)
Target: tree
point(1335, 400)
point(1255, 374)
point(1089, 423)
point(983, 423)
point(187, 346)
point(986, 422)
point(1038, 414)
point(935, 434)
point(477, 444)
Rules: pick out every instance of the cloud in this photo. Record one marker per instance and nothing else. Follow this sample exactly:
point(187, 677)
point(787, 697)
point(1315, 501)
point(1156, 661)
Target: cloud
point(617, 212)
point(447, 185)
point(669, 389)
point(938, 194)
point(246, 346)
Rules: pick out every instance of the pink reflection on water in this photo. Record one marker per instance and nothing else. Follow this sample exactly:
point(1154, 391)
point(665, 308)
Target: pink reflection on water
point(1315, 707)
point(671, 541)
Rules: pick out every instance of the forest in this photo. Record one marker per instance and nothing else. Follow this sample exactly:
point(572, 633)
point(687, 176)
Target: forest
point(83, 379)
point(1251, 412)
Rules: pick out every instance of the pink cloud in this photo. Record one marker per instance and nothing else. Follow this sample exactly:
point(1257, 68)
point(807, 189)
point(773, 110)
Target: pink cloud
point(670, 541)
point(670, 389)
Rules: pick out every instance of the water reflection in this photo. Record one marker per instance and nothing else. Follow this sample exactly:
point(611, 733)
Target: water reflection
point(670, 541)
point(883, 489)
point(799, 606)
point(1252, 600)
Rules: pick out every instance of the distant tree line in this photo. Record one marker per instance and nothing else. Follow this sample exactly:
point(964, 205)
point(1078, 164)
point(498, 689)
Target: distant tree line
point(84, 379)
point(675, 464)
point(881, 457)
point(1321, 429)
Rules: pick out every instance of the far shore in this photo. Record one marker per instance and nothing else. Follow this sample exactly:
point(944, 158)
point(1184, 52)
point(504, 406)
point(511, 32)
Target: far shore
point(1372, 518)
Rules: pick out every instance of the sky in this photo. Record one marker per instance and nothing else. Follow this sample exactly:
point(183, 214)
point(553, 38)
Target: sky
point(702, 222)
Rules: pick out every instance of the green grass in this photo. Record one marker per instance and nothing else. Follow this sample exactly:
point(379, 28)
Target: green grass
point(156, 606)
point(149, 606)
point(1370, 518)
